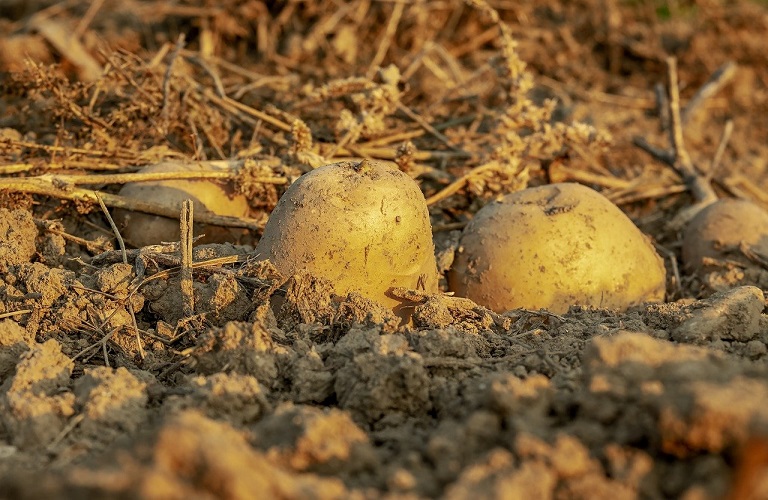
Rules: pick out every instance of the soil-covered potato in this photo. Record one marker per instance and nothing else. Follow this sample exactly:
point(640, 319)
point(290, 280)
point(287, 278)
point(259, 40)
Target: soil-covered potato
point(719, 230)
point(142, 229)
point(552, 247)
point(363, 225)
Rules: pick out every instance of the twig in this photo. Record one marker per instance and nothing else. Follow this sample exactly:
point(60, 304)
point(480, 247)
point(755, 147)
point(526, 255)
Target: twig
point(112, 224)
point(339, 146)
point(677, 157)
point(648, 192)
point(14, 313)
point(391, 153)
point(60, 36)
point(395, 137)
point(257, 80)
point(118, 153)
point(462, 181)
point(86, 179)
point(614, 35)
point(120, 70)
point(661, 154)
point(670, 255)
point(87, 18)
point(229, 102)
point(712, 86)
point(73, 422)
point(94, 246)
point(171, 367)
point(187, 292)
point(101, 343)
point(744, 187)
point(429, 128)
point(386, 40)
point(46, 186)
point(167, 80)
point(475, 42)
point(682, 160)
point(213, 74)
point(727, 131)
point(586, 177)
point(124, 255)
point(637, 102)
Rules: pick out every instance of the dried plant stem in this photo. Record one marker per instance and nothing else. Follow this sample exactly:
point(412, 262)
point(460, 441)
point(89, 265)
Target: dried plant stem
point(46, 186)
point(623, 197)
point(744, 187)
point(386, 39)
point(586, 177)
point(186, 222)
point(257, 80)
point(682, 160)
point(724, 138)
point(712, 86)
point(662, 106)
point(391, 154)
point(670, 257)
point(226, 102)
point(677, 157)
point(389, 139)
point(167, 78)
point(94, 245)
point(120, 241)
point(120, 153)
point(16, 168)
point(10, 314)
point(87, 18)
point(429, 128)
point(59, 35)
point(75, 180)
point(73, 422)
point(124, 255)
point(459, 183)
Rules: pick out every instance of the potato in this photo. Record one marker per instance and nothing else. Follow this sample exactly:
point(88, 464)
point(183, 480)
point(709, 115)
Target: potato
point(142, 229)
point(363, 225)
point(552, 247)
point(719, 229)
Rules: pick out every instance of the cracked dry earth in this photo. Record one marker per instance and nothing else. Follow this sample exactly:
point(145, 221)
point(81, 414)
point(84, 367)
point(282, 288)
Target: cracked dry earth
point(321, 396)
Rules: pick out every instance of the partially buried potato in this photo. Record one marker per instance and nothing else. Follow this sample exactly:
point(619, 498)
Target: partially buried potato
point(552, 247)
point(142, 229)
point(720, 230)
point(363, 225)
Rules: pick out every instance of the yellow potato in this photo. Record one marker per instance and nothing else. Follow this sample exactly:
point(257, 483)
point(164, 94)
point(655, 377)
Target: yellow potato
point(552, 247)
point(363, 225)
point(719, 229)
point(142, 229)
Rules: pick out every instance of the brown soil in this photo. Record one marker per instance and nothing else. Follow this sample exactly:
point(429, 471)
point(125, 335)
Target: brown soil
point(272, 386)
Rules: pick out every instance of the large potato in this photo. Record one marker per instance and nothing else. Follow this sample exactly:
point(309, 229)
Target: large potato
point(142, 229)
point(363, 225)
point(721, 228)
point(552, 247)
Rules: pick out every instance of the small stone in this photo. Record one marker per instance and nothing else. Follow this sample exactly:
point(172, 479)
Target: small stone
point(731, 315)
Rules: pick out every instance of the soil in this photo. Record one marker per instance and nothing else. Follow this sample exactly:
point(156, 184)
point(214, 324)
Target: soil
point(119, 380)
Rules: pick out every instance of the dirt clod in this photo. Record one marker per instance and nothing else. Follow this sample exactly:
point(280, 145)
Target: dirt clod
point(17, 238)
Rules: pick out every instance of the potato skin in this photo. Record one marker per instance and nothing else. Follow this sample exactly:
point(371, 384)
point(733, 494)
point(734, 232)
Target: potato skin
point(142, 229)
point(552, 247)
point(723, 224)
point(363, 225)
